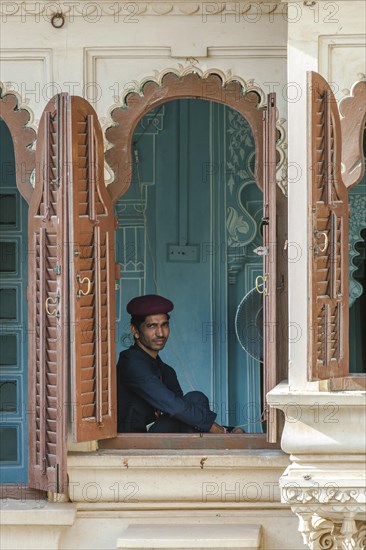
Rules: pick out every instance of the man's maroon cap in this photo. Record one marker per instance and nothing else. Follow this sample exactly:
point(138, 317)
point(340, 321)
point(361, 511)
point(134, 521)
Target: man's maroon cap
point(150, 304)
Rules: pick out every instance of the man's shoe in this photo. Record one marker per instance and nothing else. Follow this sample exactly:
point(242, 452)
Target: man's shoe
point(237, 430)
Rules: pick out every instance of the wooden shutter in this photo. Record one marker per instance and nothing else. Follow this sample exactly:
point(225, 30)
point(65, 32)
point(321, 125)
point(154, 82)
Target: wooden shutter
point(269, 259)
point(92, 282)
point(328, 237)
point(48, 304)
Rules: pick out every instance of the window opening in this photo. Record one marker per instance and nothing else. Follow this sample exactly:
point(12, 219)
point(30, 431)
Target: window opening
point(357, 274)
point(188, 229)
point(13, 319)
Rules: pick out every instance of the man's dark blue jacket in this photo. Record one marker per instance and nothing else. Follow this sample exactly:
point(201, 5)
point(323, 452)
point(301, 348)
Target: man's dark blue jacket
point(145, 385)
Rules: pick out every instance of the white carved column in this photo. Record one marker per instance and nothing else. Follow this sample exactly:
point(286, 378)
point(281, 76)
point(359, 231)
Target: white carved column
point(325, 435)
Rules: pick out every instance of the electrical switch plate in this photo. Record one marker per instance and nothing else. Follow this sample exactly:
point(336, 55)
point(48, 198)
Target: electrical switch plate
point(183, 253)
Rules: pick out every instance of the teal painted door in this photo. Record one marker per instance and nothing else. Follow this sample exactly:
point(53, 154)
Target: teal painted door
point(188, 227)
point(13, 319)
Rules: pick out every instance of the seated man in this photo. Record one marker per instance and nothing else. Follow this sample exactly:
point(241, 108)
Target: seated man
point(148, 390)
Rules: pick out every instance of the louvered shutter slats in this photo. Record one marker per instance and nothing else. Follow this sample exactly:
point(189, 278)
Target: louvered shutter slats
point(328, 263)
point(71, 263)
point(47, 303)
point(92, 283)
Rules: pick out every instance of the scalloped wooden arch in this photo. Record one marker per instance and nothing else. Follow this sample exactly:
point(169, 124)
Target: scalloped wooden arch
point(193, 86)
point(23, 137)
point(353, 111)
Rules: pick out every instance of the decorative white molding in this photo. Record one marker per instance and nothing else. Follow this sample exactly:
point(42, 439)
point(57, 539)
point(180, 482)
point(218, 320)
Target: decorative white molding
point(38, 93)
point(191, 66)
point(329, 46)
point(93, 55)
point(8, 88)
point(181, 70)
point(330, 493)
point(321, 533)
point(248, 52)
point(130, 12)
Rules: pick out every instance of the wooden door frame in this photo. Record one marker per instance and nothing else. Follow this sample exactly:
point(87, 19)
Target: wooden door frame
point(16, 118)
point(248, 101)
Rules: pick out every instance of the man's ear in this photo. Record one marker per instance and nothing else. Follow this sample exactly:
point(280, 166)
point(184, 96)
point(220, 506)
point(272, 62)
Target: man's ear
point(134, 332)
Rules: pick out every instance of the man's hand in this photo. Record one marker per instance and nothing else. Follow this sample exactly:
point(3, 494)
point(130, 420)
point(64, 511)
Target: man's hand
point(217, 429)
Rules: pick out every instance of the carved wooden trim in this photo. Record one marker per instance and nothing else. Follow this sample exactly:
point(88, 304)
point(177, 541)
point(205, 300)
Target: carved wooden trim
point(353, 112)
point(23, 136)
point(152, 93)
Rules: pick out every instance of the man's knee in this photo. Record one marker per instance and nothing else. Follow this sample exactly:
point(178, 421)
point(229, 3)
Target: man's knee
point(197, 397)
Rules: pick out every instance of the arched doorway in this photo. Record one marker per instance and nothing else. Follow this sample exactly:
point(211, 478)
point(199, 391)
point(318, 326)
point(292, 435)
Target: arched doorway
point(188, 227)
point(245, 102)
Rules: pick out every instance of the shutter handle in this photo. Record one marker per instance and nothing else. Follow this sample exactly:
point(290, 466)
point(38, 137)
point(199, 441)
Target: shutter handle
point(326, 242)
point(81, 281)
point(258, 284)
point(51, 301)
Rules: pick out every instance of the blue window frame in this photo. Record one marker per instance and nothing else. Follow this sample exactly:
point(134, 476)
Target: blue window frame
point(13, 319)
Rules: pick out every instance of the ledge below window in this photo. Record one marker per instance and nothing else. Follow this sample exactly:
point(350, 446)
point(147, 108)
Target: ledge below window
point(188, 441)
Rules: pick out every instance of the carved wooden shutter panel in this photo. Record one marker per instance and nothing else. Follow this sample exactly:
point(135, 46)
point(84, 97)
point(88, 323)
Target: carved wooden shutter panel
point(269, 259)
point(328, 237)
point(48, 304)
point(92, 284)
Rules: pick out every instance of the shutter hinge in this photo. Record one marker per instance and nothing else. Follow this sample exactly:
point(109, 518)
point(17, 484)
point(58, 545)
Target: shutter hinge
point(44, 466)
point(281, 286)
point(58, 479)
point(265, 413)
point(265, 220)
point(261, 251)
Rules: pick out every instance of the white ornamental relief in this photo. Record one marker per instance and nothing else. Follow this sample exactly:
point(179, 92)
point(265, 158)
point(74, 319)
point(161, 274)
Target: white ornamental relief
point(323, 495)
point(320, 533)
point(240, 231)
point(130, 12)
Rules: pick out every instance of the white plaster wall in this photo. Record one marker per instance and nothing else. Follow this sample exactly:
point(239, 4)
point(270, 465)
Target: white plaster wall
point(101, 529)
point(328, 38)
point(98, 60)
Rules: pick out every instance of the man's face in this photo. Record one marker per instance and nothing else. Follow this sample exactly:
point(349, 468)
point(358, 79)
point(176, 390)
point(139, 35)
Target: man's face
point(152, 334)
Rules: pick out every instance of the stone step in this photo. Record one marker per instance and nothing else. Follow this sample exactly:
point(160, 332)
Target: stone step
point(191, 536)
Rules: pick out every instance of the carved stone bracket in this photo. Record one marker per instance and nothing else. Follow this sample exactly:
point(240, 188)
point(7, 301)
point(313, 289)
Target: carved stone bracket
point(321, 533)
point(330, 517)
point(17, 119)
